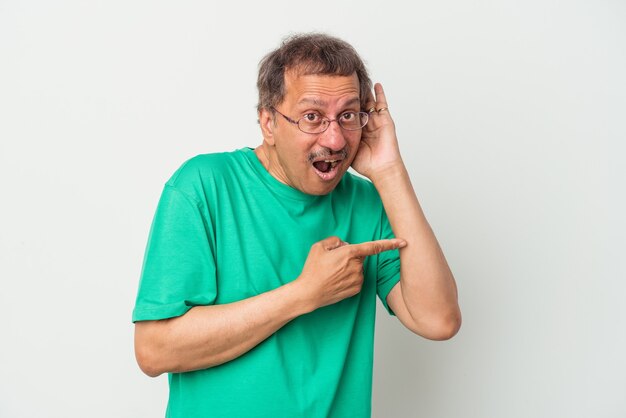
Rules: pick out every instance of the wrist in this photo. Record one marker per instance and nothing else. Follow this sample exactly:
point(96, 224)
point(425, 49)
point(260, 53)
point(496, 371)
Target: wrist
point(301, 297)
point(389, 174)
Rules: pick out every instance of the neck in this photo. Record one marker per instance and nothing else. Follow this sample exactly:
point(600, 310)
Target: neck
point(262, 155)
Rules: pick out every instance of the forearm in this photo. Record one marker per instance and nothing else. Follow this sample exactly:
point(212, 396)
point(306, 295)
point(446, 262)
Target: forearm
point(207, 336)
point(427, 285)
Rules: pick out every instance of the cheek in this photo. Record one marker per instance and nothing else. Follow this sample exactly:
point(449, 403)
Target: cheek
point(354, 142)
point(292, 156)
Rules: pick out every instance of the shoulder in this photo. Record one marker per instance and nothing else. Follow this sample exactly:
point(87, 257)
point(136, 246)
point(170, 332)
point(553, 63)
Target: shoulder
point(204, 172)
point(359, 196)
point(202, 165)
point(360, 187)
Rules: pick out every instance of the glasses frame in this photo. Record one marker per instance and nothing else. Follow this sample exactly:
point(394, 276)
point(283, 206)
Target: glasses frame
point(324, 118)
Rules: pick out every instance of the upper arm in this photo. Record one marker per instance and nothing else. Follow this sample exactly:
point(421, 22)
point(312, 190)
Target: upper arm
point(179, 268)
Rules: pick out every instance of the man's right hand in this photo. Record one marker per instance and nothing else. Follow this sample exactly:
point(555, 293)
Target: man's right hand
point(207, 336)
point(333, 270)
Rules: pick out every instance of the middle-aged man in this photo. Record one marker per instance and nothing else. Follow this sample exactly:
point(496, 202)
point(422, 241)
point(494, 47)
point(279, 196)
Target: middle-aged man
point(261, 272)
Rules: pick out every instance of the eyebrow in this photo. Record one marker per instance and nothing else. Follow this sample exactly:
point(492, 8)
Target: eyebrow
point(318, 102)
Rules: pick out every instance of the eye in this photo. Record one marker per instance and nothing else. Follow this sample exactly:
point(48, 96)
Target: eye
point(348, 116)
point(311, 117)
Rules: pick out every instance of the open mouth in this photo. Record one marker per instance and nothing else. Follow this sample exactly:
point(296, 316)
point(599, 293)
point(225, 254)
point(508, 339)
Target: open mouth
point(326, 165)
point(327, 169)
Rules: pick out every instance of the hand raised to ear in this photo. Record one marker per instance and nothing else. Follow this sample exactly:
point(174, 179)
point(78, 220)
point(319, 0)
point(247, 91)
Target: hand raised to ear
point(378, 148)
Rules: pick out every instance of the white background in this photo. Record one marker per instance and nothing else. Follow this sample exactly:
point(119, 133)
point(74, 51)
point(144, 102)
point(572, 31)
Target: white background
point(511, 120)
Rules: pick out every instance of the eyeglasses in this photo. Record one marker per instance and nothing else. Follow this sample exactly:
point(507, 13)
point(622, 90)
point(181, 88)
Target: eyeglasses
point(314, 123)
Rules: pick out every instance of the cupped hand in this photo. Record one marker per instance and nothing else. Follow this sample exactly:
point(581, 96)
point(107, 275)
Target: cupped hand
point(378, 148)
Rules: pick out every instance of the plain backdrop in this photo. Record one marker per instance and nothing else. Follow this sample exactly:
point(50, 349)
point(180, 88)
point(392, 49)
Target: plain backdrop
point(510, 116)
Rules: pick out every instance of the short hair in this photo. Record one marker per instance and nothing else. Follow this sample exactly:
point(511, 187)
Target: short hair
point(308, 53)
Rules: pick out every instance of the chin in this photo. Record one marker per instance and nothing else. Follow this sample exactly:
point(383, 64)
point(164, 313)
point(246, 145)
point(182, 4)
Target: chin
point(323, 188)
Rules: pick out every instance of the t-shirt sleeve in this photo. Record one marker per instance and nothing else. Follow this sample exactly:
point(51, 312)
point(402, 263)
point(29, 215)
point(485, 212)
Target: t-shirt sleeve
point(388, 274)
point(179, 264)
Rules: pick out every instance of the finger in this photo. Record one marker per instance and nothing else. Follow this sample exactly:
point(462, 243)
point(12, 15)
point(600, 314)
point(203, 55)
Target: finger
point(370, 103)
point(375, 247)
point(381, 99)
point(331, 243)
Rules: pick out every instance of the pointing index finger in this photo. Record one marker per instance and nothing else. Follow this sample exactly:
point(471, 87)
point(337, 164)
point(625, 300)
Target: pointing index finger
point(375, 247)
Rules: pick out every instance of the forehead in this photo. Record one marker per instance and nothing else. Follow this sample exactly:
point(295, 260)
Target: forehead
point(320, 89)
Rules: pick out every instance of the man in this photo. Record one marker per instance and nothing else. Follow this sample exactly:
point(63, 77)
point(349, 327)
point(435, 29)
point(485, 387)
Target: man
point(261, 273)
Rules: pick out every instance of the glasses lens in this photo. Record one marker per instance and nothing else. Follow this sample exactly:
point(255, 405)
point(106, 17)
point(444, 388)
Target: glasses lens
point(353, 120)
point(350, 121)
point(313, 124)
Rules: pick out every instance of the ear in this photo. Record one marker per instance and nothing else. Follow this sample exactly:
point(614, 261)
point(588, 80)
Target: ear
point(267, 122)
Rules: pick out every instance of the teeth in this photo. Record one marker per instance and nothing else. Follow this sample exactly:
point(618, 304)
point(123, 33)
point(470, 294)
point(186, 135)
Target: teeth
point(332, 163)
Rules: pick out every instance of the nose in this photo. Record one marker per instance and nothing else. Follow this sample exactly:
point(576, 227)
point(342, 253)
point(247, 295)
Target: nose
point(333, 137)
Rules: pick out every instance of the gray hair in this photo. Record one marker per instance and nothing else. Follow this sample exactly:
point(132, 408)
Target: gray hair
point(308, 53)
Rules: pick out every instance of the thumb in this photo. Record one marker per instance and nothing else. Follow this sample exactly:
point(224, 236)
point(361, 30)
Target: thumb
point(332, 243)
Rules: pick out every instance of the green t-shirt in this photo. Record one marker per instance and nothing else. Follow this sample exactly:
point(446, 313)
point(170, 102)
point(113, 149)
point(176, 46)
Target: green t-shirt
point(226, 230)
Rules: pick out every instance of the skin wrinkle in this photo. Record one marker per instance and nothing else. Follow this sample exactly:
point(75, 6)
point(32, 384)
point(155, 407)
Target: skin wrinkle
point(318, 102)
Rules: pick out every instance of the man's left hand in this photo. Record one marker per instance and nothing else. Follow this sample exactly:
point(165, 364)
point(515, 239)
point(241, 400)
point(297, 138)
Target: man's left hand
point(378, 149)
